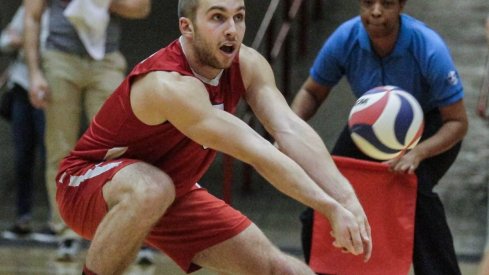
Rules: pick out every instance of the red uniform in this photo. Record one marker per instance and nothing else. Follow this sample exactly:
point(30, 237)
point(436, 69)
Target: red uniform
point(117, 138)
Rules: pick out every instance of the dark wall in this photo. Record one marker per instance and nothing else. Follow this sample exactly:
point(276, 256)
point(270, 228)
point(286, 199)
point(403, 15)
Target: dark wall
point(141, 38)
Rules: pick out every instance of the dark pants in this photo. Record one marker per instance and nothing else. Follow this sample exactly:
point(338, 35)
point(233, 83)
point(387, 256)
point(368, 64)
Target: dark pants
point(28, 135)
point(434, 253)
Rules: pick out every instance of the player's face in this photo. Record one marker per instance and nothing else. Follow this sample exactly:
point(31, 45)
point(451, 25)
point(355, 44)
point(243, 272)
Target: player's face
point(381, 17)
point(219, 29)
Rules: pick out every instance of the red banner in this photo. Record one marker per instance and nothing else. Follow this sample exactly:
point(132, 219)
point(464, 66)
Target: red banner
point(389, 200)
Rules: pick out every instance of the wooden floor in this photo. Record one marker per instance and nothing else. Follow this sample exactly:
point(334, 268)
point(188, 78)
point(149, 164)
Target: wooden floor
point(38, 260)
point(24, 259)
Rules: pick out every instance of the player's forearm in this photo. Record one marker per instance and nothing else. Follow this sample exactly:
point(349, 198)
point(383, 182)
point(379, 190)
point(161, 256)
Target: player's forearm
point(289, 178)
point(305, 146)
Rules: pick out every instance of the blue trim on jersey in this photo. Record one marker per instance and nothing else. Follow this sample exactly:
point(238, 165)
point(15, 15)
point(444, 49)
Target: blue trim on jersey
point(419, 64)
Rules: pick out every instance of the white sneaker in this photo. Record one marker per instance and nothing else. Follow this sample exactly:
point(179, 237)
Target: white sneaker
point(68, 249)
point(45, 235)
point(146, 256)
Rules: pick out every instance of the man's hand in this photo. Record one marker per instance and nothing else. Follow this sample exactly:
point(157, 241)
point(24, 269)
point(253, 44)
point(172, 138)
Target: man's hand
point(15, 40)
point(351, 231)
point(38, 91)
point(406, 163)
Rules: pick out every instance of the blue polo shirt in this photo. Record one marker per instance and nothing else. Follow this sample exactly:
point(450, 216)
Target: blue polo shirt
point(419, 64)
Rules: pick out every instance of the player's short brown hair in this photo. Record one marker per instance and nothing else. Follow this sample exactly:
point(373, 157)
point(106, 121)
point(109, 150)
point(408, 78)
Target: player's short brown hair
point(187, 8)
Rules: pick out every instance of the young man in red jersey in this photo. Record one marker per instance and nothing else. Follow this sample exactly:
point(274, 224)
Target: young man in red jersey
point(131, 178)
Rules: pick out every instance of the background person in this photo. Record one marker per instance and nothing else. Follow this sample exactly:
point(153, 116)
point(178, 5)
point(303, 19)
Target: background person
point(27, 124)
point(68, 83)
point(380, 47)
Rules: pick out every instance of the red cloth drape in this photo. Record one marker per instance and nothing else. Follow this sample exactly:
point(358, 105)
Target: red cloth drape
point(389, 200)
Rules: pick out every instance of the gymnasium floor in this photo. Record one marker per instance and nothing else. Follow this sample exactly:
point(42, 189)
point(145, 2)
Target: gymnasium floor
point(40, 260)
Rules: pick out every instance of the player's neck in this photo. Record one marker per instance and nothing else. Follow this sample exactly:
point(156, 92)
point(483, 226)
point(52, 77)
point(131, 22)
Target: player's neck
point(204, 72)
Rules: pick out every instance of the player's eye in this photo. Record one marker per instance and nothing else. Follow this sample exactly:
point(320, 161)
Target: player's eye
point(239, 17)
point(218, 17)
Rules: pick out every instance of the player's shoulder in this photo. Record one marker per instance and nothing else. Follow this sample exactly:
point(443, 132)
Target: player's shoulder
point(248, 55)
point(252, 64)
point(173, 78)
point(250, 60)
point(168, 81)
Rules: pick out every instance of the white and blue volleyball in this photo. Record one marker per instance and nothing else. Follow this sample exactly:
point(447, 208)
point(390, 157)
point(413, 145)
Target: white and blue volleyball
point(385, 122)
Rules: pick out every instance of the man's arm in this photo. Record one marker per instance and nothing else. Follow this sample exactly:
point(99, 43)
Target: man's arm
point(309, 98)
point(183, 101)
point(296, 138)
point(11, 36)
point(132, 9)
point(38, 87)
point(454, 128)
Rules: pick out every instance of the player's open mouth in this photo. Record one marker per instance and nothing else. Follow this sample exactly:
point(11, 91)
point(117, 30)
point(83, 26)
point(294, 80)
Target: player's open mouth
point(227, 49)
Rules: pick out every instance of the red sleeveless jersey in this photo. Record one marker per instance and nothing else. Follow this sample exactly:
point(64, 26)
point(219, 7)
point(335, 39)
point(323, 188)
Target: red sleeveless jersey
point(115, 132)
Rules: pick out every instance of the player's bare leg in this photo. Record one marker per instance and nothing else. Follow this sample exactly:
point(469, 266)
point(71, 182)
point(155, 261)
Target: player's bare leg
point(250, 252)
point(137, 197)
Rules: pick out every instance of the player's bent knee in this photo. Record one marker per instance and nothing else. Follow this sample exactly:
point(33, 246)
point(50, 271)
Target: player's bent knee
point(145, 188)
point(153, 196)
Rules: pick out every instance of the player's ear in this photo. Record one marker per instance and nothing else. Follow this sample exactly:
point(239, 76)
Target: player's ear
point(186, 27)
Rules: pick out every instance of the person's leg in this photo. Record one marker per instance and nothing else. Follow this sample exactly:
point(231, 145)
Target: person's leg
point(434, 252)
point(137, 196)
point(62, 118)
point(433, 243)
point(106, 75)
point(39, 124)
point(24, 160)
point(23, 130)
point(200, 230)
point(250, 252)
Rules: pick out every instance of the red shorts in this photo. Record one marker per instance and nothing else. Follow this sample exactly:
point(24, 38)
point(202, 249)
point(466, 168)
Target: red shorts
point(195, 221)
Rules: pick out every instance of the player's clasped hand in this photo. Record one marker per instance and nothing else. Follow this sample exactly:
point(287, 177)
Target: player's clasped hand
point(351, 235)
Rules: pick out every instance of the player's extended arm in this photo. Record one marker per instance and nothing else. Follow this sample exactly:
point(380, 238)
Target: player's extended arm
point(297, 139)
point(183, 101)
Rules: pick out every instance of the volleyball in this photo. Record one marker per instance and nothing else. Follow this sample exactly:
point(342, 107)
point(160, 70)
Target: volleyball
point(385, 122)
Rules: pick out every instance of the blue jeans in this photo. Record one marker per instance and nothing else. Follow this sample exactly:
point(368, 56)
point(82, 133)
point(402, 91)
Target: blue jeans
point(28, 135)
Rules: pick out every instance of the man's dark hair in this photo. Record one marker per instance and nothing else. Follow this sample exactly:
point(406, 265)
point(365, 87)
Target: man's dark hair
point(187, 8)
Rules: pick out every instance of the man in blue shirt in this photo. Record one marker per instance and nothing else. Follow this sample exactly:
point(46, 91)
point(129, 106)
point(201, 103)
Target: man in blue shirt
point(380, 47)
